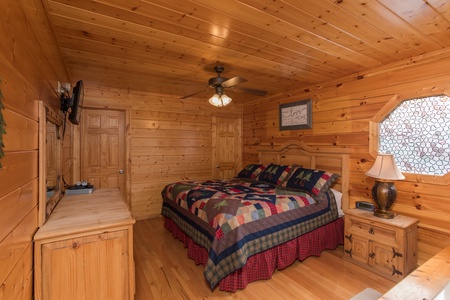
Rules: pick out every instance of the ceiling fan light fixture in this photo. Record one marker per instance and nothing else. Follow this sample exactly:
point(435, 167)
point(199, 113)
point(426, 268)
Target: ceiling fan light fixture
point(220, 83)
point(220, 101)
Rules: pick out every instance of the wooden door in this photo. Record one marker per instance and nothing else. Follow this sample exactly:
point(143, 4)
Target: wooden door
point(227, 147)
point(103, 148)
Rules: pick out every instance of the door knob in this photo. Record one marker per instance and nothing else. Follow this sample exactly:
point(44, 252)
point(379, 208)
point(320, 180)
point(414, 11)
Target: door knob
point(121, 171)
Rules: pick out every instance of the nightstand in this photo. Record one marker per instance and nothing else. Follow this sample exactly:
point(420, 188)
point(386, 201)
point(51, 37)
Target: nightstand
point(387, 247)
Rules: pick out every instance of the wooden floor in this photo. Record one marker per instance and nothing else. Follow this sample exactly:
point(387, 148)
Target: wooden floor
point(163, 271)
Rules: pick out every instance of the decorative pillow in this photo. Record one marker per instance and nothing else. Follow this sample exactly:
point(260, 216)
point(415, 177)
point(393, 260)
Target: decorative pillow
point(314, 182)
point(251, 171)
point(275, 174)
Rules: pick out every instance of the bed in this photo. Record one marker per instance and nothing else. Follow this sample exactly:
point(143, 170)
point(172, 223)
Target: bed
point(284, 208)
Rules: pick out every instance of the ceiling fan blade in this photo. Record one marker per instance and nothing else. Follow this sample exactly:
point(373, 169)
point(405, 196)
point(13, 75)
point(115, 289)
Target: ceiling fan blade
point(193, 94)
point(233, 81)
point(250, 91)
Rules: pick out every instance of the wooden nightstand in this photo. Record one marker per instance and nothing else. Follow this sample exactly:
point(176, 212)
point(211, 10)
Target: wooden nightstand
point(385, 246)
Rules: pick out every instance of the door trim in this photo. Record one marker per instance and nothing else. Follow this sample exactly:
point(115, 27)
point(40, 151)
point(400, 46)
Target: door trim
point(76, 150)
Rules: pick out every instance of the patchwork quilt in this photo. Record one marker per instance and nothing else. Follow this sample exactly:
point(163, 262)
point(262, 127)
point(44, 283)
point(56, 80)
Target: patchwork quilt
point(235, 219)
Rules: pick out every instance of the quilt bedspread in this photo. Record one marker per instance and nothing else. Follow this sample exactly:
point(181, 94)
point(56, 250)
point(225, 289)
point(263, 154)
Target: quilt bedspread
point(235, 219)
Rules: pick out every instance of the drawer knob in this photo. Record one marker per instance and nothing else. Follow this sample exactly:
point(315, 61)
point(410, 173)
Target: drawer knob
point(372, 255)
point(371, 231)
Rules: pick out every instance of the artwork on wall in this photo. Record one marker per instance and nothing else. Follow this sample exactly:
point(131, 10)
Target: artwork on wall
point(296, 115)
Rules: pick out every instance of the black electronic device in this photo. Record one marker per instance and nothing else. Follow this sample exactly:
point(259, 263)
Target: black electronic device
point(365, 205)
point(76, 103)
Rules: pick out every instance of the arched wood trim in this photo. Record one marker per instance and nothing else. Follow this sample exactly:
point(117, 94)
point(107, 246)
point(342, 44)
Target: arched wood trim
point(335, 159)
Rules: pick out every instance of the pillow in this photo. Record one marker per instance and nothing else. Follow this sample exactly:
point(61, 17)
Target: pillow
point(315, 182)
point(275, 174)
point(251, 171)
point(285, 192)
point(338, 197)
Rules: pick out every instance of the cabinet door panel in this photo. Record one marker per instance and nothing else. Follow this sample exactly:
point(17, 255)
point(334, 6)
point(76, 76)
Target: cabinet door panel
point(384, 260)
point(360, 249)
point(91, 267)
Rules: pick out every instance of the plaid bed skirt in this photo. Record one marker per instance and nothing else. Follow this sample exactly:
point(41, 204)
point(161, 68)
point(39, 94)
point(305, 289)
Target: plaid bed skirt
point(262, 265)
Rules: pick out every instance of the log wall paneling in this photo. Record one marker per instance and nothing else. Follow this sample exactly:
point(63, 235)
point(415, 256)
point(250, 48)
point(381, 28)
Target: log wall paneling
point(169, 140)
point(13, 247)
point(28, 70)
point(343, 111)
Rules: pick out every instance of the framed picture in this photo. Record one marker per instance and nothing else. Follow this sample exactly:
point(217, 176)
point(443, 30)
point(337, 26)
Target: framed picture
point(296, 115)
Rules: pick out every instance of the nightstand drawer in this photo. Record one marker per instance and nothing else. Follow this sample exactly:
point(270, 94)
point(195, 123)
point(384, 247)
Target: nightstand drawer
point(373, 232)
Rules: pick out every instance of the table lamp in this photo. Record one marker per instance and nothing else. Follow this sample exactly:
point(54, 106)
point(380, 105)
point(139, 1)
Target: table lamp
point(385, 171)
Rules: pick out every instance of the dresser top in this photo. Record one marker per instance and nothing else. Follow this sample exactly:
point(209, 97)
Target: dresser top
point(104, 208)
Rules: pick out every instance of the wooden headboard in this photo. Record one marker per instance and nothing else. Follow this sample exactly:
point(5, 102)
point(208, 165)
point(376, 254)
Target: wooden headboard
point(333, 159)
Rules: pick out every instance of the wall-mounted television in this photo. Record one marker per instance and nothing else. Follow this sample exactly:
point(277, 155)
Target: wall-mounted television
point(77, 103)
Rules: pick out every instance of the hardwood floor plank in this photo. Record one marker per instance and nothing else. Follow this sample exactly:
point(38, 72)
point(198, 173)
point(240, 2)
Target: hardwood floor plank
point(163, 271)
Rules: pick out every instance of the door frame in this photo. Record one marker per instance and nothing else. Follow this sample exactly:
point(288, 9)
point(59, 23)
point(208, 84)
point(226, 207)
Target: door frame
point(76, 150)
point(214, 159)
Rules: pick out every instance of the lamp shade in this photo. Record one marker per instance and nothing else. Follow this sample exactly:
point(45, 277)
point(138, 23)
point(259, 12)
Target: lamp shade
point(220, 100)
point(385, 168)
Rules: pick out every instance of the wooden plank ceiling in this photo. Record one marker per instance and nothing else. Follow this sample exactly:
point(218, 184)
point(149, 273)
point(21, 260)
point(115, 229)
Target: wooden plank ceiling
point(171, 46)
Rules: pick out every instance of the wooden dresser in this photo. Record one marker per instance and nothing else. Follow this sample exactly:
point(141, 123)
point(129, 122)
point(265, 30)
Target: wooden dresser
point(385, 246)
point(85, 249)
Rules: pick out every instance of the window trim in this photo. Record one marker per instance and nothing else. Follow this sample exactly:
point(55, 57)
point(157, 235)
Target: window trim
point(374, 135)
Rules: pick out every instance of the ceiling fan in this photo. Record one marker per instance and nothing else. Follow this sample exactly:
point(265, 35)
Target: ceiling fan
point(220, 83)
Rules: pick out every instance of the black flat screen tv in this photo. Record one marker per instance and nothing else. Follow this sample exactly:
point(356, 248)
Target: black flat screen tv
point(77, 103)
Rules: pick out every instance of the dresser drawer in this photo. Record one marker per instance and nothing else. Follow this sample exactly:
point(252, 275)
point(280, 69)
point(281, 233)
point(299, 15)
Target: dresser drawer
point(375, 232)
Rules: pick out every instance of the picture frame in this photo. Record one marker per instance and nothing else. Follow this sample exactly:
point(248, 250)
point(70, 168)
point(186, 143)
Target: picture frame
point(296, 115)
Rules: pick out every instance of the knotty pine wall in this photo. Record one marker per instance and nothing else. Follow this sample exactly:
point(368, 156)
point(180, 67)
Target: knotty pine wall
point(26, 75)
point(170, 140)
point(342, 111)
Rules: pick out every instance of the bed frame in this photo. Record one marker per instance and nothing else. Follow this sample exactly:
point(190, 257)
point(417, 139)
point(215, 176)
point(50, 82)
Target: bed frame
point(333, 159)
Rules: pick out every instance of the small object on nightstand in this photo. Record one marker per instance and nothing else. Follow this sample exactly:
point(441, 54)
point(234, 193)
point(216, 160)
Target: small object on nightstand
point(365, 205)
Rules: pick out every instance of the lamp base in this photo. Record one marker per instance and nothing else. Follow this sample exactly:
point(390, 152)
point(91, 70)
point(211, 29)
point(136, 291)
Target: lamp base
point(385, 214)
point(384, 194)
